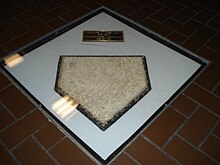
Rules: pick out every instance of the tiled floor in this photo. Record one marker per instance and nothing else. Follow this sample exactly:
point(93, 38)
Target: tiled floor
point(186, 132)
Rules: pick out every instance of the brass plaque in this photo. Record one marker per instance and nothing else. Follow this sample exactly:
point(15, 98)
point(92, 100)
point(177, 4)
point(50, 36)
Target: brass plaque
point(103, 36)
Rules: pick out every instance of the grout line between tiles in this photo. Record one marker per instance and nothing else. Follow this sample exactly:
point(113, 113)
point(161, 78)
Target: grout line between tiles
point(188, 37)
point(44, 149)
point(80, 4)
point(5, 87)
point(159, 10)
point(132, 158)
point(135, 12)
point(21, 6)
point(204, 44)
point(179, 128)
point(10, 153)
point(170, 17)
point(176, 109)
point(210, 92)
point(6, 108)
point(161, 150)
point(122, 5)
point(201, 6)
point(23, 140)
point(215, 136)
point(141, 4)
point(203, 106)
point(53, 20)
point(51, 147)
point(198, 149)
point(98, 3)
point(29, 11)
point(208, 134)
point(215, 87)
point(211, 19)
point(16, 120)
point(66, 21)
point(9, 125)
point(174, 3)
point(204, 24)
point(67, 135)
point(213, 49)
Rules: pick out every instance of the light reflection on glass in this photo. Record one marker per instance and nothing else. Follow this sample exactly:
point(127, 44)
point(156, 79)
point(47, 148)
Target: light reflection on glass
point(65, 107)
point(13, 60)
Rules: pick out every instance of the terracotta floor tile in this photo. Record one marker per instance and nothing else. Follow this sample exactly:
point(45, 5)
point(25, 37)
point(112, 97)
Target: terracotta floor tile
point(3, 52)
point(30, 14)
point(190, 4)
point(38, 26)
point(209, 77)
point(19, 106)
point(16, 30)
point(48, 4)
point(68, 153)
point(214, 24)
point(204, 15)
point(179, 27)
point(164, 126)
point(211, 147)
point(151, 4)
point(217, 130)
point(170, 4)
point(184, 15)
point(217, 17)
point(124, 11)
point(210, 55)
point(146, 153)
point(69, 4)
point(184, 105)
point(91, 4)
point(185, 153)
point(53, 14)
point(20, 41)
point(203, 97)
point(131, 4)
point(196, 41)
point(123, 159)
point(49, 135)
point(5, 118)
point(213, 5)
point(217, 90)
point(26, 4)
point(205, 30)
point(5, 157)
point(30, 152)
point(75, 14)
point(2, 29)
point(141, 14)
point(157, 27)
point(56, 23)
point(176, 37)
point(198, 126)
point(162, 14)
point(8, 5)
point(113, 5)
point(4, 81)
point(214, 43)
point(5, 36)
point(11, 13)
point(23, 128)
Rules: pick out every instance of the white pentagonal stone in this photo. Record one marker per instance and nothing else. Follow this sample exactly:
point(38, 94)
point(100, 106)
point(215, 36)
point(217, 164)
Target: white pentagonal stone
point(104, 86)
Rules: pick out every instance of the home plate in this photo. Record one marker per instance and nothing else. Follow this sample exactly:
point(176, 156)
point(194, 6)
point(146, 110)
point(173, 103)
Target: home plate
point(103, 78)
